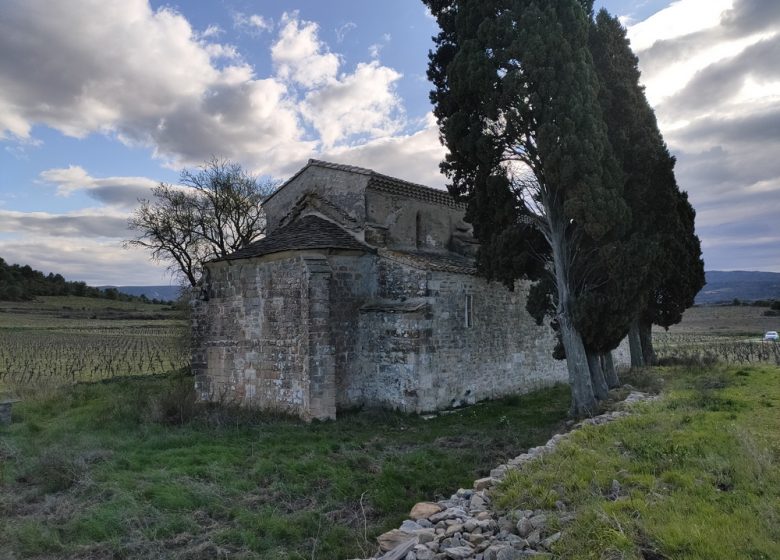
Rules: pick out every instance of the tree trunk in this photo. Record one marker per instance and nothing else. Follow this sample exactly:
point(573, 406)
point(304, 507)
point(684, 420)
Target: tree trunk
point(610, 374)
point(635, 345)
point(646, 338)
point(583, 400)
point(600, 388)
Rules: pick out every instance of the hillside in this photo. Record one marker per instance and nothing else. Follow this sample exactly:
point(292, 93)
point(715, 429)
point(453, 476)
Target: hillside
point(725, 286)
point(163, 293)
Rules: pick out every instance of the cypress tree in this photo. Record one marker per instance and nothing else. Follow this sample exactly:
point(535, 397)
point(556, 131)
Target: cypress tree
point(661, 266)
point(680, 272)
point(516, 100)
point(611, 310)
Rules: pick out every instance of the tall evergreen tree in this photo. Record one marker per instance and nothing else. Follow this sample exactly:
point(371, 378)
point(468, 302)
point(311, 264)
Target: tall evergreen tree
point(661, 256)
point(516, 102)
point(637, 145)
point(680, 273)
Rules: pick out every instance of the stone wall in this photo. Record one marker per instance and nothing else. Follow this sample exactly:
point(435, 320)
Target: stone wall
point(409, 223)
point(311, 332)
point(261, 335)
point(417, 352)
point(343, 189)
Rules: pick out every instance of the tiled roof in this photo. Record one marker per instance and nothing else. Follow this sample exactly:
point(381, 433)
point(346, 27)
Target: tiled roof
point(443, 262)
point(388, 184)
point(392, 185)
point(310, 232)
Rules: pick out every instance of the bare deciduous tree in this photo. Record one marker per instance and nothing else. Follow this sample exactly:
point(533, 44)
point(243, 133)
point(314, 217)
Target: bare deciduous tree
point(212, 212)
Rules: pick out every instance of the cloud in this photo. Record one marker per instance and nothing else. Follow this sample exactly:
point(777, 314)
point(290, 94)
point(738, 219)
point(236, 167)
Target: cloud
point(121, 192)
point(720, 83)
point(252, 23)
point(679, 19)
point(414, 157)
point(363, 102)
point(338, 106)
point(342, 30)
point(83, 223)
point(300, 56)
point(716, 89)
point(153, 81)
point(156, 82)
point(96, 262)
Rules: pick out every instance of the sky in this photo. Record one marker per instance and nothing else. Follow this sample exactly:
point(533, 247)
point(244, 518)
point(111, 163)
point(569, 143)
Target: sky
point(100, 100)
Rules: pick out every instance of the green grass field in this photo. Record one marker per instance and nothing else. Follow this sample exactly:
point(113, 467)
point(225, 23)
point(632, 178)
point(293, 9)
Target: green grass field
point(98, 471)
point(698, 472)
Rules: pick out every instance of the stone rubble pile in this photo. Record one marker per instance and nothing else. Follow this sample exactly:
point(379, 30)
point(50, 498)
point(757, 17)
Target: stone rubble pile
point(465, 527)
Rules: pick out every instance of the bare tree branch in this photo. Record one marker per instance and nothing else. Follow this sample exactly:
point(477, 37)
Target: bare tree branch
point(213, 212)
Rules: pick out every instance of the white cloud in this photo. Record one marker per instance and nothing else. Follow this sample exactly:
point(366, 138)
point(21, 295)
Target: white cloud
point(156, 82)
point(121, 192)
point(300, 56)
point(363, 102)
point(414, 157)
point(252, 23)
point(715, 85)
point(152, 81)
point(680, 18)
point(342, 30)
point(212, 31)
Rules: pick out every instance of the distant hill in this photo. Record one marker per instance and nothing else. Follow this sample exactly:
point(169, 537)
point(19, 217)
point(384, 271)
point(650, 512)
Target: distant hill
point(164, 293)
point(739, 284)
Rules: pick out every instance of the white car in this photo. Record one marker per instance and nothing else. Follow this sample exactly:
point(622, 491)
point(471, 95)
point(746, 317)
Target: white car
point(771, 335)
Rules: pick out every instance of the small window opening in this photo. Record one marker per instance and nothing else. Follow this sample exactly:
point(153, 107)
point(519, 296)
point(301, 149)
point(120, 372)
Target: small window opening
point(469, 314)
point(418, 232)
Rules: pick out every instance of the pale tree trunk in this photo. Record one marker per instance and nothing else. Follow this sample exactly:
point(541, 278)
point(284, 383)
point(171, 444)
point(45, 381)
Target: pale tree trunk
point(610, 374)
point(600, 388)
point(635, 345)
point(646, 338)
point(583, 400)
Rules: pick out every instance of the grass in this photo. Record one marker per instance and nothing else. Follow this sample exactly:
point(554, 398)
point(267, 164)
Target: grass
point(110, 470)
point(698, 472)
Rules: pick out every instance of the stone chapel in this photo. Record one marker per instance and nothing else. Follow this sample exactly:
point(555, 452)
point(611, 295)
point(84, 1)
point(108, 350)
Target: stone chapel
point(363, 293)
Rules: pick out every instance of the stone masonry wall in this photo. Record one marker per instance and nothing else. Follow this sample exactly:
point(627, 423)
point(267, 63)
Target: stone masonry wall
point(256, 333)
point(418, 354)
point(343, 189)
point(308, 333)
point(410, 223)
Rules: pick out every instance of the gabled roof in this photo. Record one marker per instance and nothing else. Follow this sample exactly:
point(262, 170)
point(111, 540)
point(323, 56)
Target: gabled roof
point(385, 183)
point(310, 232)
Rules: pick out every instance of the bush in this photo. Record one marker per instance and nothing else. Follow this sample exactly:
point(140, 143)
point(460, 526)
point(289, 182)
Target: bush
point(176, 404)
point(55, 470)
